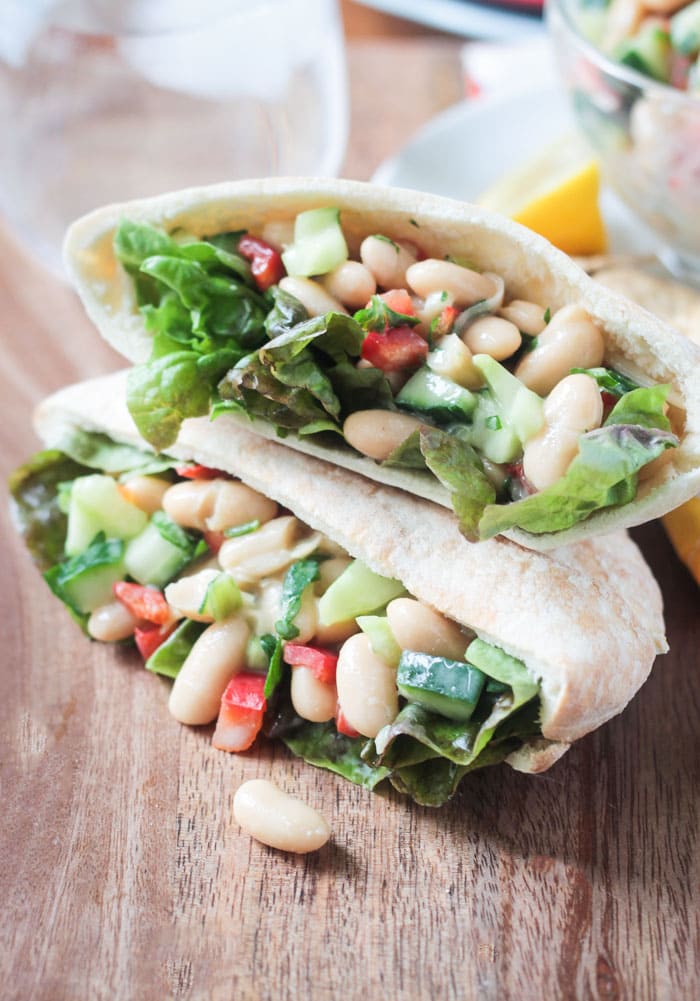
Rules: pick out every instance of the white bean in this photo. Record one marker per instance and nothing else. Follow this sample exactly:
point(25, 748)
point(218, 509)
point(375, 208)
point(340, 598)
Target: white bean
point(216, 656)
point(573, 407)
point(570, 340)
point(417, 627)
point(367, 692)
point(214, 505)
point(312, 699)
point(146, 492)
point(492, 335)
point(313, 297)
point(111, 622)
point(267, 551)
point(377, 433)
point(351, 283)
point(528, 317)
point(187, 594)
point(464, 285)
point(266, 610)
point(387, 260)
point(277, 819)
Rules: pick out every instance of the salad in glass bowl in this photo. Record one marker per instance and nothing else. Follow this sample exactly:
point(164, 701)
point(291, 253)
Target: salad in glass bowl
point(633, 70)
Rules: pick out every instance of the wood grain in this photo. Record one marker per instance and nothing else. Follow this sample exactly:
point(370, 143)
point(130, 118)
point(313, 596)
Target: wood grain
point(123, 874)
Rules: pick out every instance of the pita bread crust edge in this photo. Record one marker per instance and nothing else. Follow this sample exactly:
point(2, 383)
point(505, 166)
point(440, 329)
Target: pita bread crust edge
point(587, 620)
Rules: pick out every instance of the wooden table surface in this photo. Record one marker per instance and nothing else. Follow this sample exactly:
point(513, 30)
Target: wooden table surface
point(124, 876)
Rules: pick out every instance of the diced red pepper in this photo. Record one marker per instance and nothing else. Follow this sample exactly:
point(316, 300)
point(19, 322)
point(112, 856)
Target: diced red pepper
point(150, 636)
point(246, 691)
point(214, 540)
point(399, 300)
point(241, 714)
point(265, 262)
point(193, 471)
point(394, 349)
point(342, 725)
point(444, 323)
point(143, 602)
point(322, 662)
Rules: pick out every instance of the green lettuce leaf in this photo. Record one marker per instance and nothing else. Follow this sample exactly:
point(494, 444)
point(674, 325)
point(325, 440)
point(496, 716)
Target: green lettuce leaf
point(457, 466)
point(272, 645)
point(609, 380)
point(643, 407)
point(299, 576)
point(162, 393)
point(408, 454)
point(35, 504)
point(320, 744)
point(287, 312)
point(603, 474)
point(360, 388)
point(171, 654)
point(98, 451)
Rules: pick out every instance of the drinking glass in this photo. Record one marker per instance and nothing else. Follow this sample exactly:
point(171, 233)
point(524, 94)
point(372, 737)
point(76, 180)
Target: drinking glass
point(106, 101)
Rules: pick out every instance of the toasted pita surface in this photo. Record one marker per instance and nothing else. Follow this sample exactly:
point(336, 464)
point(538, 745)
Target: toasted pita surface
point(638, 344)
point(586, 620)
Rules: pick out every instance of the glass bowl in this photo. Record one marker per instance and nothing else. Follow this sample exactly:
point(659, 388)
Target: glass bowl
point(645, 134)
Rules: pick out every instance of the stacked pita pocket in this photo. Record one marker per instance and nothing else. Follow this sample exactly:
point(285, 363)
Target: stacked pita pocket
point(585, 620)
point(636, 343)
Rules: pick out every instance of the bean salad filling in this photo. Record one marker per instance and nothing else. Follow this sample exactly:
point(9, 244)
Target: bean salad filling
point(423, 365)
point(266, 626)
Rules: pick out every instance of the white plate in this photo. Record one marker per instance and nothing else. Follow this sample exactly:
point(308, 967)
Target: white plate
point(473, 20)
point(468, 147)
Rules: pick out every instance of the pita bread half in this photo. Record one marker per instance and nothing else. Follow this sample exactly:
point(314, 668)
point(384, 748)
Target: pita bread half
point(638, 344)
point(586, 620)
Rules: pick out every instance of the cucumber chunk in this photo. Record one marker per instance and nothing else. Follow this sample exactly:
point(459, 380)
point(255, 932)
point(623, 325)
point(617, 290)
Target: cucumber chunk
point(488, 432)
point(648, 52)
point(357, 591)
point(222, 598)
point(685, 29)
point(319, 245)
point(172, 654)
point(158, 554)
point(429, 393)
point(519, 407)
point(500, 666)
point(449, 688)
point(453, 360)
point(84, 582)
point(381, 638)
point(97, 506)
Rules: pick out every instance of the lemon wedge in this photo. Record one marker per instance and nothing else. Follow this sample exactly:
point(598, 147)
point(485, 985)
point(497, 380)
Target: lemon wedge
point(555, 194)
point(683, 529)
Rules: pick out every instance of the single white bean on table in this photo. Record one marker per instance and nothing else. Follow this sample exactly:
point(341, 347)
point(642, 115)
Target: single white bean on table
point(218, 654)
point(387, 260)
point(277, 819)
point(570, 340)
point(367, 692)
point(376, 433)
